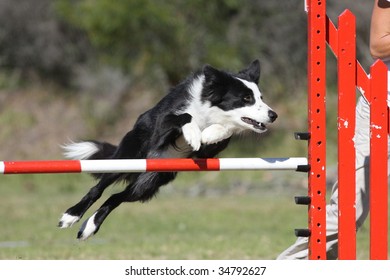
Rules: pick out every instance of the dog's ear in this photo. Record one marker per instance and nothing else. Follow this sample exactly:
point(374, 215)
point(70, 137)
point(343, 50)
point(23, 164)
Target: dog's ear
point(212, 75)
point(253, 71)
point(215, 84)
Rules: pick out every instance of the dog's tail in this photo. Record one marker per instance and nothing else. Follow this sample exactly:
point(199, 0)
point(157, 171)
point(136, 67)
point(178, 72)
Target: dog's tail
point(88, 150)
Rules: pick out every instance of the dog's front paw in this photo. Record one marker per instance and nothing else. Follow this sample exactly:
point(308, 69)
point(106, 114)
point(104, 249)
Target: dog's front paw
point(215, 133)
point(192, 135)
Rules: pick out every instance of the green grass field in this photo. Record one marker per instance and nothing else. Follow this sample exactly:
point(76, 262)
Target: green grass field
point(200, 216)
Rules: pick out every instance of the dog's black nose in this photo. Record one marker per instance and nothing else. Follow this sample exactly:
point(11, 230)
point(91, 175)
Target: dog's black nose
point(272, 115)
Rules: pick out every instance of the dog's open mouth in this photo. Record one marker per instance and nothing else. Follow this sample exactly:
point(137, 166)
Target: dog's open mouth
point(257, 125)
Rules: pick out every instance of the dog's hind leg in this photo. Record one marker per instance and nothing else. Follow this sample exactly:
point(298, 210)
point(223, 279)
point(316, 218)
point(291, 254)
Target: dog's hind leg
point(92, 225)
point(74, 213)
point(125, 150)
point(145, 187)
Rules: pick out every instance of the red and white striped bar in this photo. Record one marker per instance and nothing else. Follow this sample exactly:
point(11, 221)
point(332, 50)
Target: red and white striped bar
point(150, 165)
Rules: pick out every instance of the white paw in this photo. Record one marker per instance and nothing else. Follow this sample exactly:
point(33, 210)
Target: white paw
point(67, 220)
point(215, 133)
point(87, 229)
point(192, 135)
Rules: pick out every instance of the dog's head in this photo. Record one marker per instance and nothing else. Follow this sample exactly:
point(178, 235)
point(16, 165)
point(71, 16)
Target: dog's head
point(239, 97)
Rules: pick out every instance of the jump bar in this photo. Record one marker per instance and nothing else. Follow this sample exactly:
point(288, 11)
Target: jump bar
point(150, 165)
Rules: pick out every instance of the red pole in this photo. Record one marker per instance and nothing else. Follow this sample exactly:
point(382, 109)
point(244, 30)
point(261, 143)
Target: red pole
point(37, 167)
point(342, 42)
point(378, 162)
point(346, 132)
point(317, 128)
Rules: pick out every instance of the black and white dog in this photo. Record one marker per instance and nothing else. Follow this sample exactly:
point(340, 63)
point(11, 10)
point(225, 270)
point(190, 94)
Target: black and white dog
point(196, 119)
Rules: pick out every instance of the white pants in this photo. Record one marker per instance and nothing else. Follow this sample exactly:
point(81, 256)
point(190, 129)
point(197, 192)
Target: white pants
point(299, 250)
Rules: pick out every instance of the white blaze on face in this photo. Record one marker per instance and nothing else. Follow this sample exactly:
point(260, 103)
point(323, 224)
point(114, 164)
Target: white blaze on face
point(252, 86)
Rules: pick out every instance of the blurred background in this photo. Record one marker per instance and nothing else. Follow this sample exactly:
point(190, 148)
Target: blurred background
point(86, 69)
point(72, 70)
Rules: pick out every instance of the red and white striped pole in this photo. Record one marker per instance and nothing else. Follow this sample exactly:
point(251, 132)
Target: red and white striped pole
point(149, 165)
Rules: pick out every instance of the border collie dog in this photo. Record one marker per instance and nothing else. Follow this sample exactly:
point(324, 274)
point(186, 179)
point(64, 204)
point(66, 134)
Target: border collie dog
point(196, 119)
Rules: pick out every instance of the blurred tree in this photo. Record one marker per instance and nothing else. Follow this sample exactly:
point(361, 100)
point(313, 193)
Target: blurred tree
point(137, 34)
point(168, 37)
point(179, 36)
point(33, 41)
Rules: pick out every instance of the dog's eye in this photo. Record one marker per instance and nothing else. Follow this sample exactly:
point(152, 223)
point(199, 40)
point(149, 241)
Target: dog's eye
point(247, 98)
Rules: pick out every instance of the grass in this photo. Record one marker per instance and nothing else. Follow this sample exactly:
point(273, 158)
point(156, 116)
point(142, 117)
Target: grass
point(169, 227)
point(248, 223)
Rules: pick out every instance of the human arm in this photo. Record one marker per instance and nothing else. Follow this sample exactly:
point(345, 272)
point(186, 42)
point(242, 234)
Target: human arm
point(380, 30)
